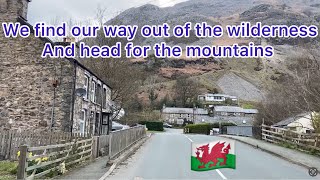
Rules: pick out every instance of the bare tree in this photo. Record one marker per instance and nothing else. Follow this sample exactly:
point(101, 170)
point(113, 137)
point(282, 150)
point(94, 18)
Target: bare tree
point(186, 91)
point(297, 91)
point(122, 77)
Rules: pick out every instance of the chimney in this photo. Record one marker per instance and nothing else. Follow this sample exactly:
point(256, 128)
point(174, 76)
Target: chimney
point(69, 39)
point(11, 9)
point(23, 8)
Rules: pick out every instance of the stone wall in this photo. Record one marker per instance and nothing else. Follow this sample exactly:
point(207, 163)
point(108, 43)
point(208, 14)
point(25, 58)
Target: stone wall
point(38, 94)
point(26, 80)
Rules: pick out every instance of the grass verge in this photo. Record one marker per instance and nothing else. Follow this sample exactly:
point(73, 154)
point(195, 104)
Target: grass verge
point(8, 170)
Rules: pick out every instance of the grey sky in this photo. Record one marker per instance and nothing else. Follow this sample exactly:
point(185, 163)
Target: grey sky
point(81, 10)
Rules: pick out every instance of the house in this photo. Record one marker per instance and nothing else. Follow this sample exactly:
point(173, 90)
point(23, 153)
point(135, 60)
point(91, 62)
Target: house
point(47, 94)
point(215, 99)
point(177, 115)
point(301, 123)
point(224, 114)
point(232, 114)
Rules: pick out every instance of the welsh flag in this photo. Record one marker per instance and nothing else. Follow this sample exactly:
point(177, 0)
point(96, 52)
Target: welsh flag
point(213, 155)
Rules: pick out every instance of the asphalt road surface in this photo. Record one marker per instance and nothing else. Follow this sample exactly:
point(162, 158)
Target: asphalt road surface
point(167, 156)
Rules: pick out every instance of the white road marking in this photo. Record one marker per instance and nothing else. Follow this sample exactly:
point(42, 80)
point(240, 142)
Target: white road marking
point(220, 173)
point(188, 138)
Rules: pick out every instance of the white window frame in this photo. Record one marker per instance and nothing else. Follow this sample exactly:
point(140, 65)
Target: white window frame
point(83, 121)
point(104, 96)
point(86, 86)
point(93, 91)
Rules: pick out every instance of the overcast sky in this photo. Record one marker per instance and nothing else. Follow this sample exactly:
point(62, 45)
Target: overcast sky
point(81, 10)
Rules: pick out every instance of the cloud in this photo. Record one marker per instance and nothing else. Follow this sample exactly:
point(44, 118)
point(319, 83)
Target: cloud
point(81, 10)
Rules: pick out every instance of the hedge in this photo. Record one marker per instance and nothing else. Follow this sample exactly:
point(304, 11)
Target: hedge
point(205, 128)
point(153, 125)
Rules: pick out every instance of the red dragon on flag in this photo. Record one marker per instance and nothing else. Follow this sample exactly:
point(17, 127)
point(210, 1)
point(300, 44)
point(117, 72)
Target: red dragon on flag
point(203, 159)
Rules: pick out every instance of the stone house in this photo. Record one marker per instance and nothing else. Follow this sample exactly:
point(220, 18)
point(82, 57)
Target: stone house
point(176, 115)
point(43, 94)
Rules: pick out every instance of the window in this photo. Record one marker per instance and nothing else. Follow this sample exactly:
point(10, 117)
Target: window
point(86, 86)
point(104, 98)
point(98, 94)
point(224, 113)
point(82, 123)
point(237, 114)
point(218, 97)
point(93, 91)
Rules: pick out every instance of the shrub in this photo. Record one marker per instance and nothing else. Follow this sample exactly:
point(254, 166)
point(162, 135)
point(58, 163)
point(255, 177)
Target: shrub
point(199, 128)
point(153, 125)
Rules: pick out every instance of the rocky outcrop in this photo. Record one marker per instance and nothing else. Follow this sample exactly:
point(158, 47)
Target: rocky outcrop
point(234, 85)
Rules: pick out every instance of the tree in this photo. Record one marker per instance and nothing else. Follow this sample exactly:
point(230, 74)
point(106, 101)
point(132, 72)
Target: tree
point(121, 76)
point(228, 101)
point(186, 91)
point(152, 98)
point(135, 105)
point(316, 122)
point(296, 92)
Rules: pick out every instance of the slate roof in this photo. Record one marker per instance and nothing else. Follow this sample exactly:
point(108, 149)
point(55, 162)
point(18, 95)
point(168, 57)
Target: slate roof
point(228, 109)
point(174, 110)
point(236, 120)
point(291, 119)
point(235, 109)
point(250, 111)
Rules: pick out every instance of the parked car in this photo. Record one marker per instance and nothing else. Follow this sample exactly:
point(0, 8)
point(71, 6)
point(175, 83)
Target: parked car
point(117, 126)
point(166, 125)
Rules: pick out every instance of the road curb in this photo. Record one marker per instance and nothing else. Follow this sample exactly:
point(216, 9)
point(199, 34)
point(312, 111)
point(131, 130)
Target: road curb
point(124, 156)
point(271, 152)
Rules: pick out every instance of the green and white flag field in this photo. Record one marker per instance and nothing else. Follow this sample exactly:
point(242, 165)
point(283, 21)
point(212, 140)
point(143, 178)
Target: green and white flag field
point(213, 155)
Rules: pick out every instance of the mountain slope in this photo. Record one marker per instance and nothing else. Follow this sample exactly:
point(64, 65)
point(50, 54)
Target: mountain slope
point(255, 76)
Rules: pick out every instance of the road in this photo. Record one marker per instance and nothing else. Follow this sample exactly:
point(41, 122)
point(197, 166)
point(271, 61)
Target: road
point(167, 156)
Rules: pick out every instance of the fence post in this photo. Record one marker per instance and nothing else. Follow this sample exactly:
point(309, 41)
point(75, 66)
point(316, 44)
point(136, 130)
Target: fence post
point(21, 174)
point(95, 147)
point(9, 145)
point(110, 145)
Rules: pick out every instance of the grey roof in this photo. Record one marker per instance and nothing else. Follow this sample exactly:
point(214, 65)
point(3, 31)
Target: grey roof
point(228, 109)
point(174, 110)
point(250, 111)
point(236, 120)
point(291, 119)
point(235, 109)
point(219, 94)
point(225, 95)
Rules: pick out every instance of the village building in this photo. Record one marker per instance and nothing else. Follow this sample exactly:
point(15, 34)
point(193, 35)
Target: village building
point(176, 115)
point(233, 111)
point(223, 114)
point(209, 100)
point(301, 123)
point(47, 94)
